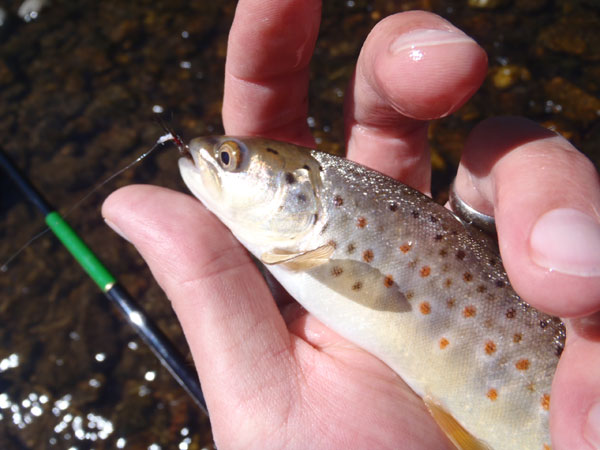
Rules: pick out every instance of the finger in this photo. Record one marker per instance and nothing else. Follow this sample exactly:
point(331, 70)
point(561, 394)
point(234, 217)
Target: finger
point(545, 196)
point(238, 339)
point(413, 67)
point(575, 402)
point(266, 72)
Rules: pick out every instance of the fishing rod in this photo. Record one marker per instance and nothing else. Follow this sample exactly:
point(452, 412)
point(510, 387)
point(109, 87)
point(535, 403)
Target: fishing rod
point(164, 350)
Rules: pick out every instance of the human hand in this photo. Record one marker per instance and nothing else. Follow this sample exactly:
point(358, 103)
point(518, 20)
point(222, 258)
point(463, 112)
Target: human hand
point(274, 376)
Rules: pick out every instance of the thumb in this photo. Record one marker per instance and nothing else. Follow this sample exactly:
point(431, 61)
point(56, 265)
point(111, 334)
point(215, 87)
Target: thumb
point(239, 341)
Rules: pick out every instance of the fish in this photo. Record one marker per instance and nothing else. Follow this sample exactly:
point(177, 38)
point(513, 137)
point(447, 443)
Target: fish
point(397, 274)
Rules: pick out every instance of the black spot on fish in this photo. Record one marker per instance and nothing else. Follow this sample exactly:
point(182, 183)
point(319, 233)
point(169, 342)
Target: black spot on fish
point(270, 150)
point(415, 213)
point(438, 237)
point(301, 197)
point(500, 284)
point(543, 324)
point(393, 206)
point(558, 351)
point(511, 313)
point(338, 201)
point(351, 248)
point(289, 178)
point(460, 254)
point(433, 219)
point(305, 166)
point(357, 286)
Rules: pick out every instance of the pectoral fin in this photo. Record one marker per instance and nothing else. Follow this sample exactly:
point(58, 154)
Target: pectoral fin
point(299, 261)
point(454, 430)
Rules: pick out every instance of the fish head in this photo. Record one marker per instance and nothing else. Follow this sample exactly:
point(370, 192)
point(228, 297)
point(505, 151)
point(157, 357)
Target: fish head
point(265, 191)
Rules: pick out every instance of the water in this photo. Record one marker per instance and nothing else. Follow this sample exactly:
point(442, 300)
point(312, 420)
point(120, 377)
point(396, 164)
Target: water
point(80, 88)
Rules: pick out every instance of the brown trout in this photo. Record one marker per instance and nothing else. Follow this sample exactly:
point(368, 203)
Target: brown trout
point(397, 274)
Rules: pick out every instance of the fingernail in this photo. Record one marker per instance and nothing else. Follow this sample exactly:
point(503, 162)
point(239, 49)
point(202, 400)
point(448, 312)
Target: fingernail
point(591, 431)
point(116, 229)
point(568, 241)
point(414, 39)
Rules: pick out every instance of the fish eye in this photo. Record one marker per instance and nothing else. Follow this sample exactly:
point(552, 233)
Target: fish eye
point(229, 155)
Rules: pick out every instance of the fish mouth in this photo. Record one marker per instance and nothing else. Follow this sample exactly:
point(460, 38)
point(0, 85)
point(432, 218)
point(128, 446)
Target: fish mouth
point(186, 154)
point(200, 175)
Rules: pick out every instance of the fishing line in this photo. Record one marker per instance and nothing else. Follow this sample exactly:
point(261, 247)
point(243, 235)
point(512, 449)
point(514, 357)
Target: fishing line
point(169, 136)
point(161, 141)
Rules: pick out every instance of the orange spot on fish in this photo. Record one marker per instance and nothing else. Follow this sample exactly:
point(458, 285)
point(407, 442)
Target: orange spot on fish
point(361, 222)
point(547, 447)
point(517, 337)
point(481, 288)
point(425, 308)
point(405, 248)
point(388, 281)
point(546, 402)
point(333, 244)
point(522, 364)
point(468, 277)
point(490, 347)
point(444, 343)
point(469, 311)
point(425, 271)
point(368, 255)
point(492, 394)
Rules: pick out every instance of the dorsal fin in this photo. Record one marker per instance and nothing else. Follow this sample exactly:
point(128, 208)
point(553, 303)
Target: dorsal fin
point(460, 437)
point(301, 260)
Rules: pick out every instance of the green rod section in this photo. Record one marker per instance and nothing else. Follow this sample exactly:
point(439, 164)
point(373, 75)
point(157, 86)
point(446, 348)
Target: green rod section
point(81, 252)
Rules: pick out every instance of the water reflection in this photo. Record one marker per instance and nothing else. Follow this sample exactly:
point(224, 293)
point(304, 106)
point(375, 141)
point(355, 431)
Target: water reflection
point(23, 413)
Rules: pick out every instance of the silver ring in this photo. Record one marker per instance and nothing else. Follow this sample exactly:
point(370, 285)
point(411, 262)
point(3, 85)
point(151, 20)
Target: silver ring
point(469, 214)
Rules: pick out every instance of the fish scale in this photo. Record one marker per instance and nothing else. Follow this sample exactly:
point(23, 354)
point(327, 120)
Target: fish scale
point(402, 278)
